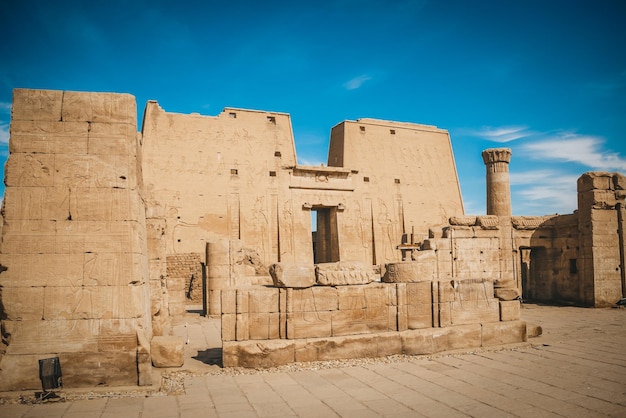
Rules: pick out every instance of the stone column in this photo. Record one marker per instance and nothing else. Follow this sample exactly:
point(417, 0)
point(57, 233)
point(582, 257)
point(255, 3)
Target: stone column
point(498, 188)
point(499, 204)
point(218, 274)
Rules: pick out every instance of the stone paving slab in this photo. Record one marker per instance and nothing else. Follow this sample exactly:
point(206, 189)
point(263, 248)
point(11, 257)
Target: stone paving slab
point(577, 368)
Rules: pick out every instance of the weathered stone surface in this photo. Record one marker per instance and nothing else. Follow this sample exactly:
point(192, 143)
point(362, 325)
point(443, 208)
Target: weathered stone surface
point(167, 351)
point(463, 220)
point(510, 310)
point(503, 333)
point(292, 275)
point(337, 348)
point(416, 342)
point(421, 269)
point(37, 105)
point(507, 293)
point(533, 330)
point(344, 273)
point(453, 338)
point(258, 354)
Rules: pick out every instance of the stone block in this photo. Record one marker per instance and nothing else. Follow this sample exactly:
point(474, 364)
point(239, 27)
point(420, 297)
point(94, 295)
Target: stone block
point(309, 324)
point(29, 170)
point(477, 311)
point(36, 203)
point(417, 342)
point(510, 310)
point(344, 273)
point(419, 316)
point(103, 204)
point(466, 220)
point(392, 318)
point(99, 107)
point(376, 295)
point(533, 330)
point(274, 331)
point(112, 139)
point(49, 137)
point(229, 301)
point(292, 275)
point(242, 329)
point(593, 181)
point(259, 326)
point(457, 337)
point(28, 337)
point(388, 344)
point(167, 351)
point(419, 293)
point(401, 272)
point(229, 321)
point(507, 293)
point(263, 300)
point(325, 349)
point(94, 171)
point(351, 298)
point(37, 105)
point(402, 317)
point(258, 354)
point(23, 303)
point(105, 369)
point(447, 291)
point(94, 302)
point(360, 321)
point(242, 301)
point(394, 294)
point(503, 333)
point(21, 372)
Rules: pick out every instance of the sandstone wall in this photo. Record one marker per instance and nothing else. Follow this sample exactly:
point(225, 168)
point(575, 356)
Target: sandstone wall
point(405, 177)
point(264, 327)
point(74, 241)
point(601, 231)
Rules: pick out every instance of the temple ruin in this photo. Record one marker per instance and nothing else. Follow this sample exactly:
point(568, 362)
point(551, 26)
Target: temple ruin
point(108, 233)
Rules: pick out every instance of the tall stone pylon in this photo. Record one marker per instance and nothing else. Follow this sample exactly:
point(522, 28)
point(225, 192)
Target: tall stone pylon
point(498, 185)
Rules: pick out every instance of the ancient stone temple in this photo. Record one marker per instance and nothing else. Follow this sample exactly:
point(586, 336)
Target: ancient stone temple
point(109, 233)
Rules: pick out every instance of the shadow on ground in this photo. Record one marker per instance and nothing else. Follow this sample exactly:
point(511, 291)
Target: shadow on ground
point(211, 356)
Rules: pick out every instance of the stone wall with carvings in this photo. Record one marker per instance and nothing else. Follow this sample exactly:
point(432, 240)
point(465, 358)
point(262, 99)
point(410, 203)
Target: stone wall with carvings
point(74, 242)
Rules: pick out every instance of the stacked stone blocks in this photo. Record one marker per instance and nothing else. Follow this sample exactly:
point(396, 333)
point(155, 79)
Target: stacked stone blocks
point(74, 241)
point(268, 326)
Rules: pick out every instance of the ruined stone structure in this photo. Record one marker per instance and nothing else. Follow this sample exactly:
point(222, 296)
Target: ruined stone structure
point(109, 233)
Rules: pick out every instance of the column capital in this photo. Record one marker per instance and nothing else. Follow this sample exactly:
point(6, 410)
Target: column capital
point(496, 155)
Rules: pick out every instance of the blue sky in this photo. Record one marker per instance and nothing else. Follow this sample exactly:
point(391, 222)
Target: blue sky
point(544, 78)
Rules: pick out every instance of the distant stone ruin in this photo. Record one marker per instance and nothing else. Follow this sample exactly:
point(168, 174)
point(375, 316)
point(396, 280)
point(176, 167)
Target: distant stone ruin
point(108, 234)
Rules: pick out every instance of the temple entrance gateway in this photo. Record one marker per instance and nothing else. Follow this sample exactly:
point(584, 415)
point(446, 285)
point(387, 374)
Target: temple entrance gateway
point(326, 237)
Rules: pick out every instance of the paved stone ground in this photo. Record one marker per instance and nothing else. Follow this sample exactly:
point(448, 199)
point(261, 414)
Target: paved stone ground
point(577, 368)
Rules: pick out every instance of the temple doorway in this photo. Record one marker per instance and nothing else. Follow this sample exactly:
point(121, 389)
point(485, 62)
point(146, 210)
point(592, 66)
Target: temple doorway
point(325, 234)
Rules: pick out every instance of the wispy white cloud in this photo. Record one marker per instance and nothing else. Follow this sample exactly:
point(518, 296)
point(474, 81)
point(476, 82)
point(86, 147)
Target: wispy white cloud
point(357, 82)
point(4, 134)
point(498, 134)
point(543, 191)
point(5, 107)
point(582, 149)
